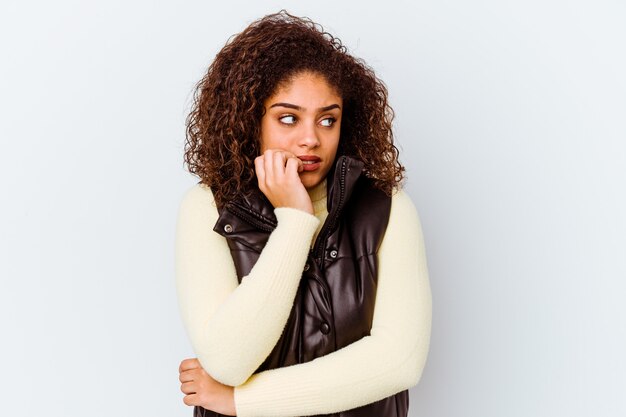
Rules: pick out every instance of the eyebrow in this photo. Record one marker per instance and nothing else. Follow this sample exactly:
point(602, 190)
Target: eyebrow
point(293, 106)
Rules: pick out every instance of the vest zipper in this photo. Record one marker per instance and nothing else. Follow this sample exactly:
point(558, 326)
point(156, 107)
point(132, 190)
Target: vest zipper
point(316, 250)
point(323, 238)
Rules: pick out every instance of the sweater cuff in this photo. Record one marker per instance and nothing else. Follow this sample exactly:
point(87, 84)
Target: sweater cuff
point(298, 221)
point(292, 212)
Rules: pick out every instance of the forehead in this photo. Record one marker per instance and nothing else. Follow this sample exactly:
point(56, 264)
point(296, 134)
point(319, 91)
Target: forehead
point(306, 86)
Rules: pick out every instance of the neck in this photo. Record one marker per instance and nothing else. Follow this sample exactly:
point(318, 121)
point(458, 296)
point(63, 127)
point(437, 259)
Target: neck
point(318, 196)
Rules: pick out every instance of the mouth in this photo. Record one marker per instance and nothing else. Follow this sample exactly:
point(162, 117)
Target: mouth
point(310, 162)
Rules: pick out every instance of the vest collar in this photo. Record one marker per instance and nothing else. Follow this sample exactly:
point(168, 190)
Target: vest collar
point(257, 209)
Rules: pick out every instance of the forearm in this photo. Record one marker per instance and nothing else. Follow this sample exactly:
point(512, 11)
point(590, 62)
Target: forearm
point(387, 361)
point(234, 327)
point(358, 374)
point(246, 327)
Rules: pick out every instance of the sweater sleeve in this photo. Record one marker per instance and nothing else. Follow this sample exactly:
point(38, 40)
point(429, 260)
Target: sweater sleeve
point(387, 361)
point(233, 327)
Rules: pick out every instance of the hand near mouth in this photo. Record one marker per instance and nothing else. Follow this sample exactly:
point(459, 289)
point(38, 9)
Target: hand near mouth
point(277, 174)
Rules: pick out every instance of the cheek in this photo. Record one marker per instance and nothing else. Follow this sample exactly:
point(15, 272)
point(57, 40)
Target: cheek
point(273, 141)
point(272, 137)
point(265, 137)
point(334, 144)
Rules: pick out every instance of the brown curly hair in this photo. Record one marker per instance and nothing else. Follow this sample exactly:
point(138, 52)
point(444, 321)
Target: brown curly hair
point(223, 127)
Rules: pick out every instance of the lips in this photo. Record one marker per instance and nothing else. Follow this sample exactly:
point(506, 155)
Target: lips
point(313, 158)
point(311, 162)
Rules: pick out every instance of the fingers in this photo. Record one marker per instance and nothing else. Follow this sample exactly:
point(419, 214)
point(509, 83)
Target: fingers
point(187, 376)
point(294, 159)
point(189, 372)
point(269, 166)
point(278, 166)
point(259, 167)
point(191, 399)
point(273, 165)
point(187, 364)
point(294, 165)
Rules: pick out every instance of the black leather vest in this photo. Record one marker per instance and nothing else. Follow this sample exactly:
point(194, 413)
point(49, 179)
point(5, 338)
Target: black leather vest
point(334, 304)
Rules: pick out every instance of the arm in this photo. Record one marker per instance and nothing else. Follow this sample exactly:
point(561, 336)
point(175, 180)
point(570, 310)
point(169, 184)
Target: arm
point(233, 327)
point(387, 361)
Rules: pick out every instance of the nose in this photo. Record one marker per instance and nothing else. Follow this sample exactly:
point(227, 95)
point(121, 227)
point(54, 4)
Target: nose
point(309, 136)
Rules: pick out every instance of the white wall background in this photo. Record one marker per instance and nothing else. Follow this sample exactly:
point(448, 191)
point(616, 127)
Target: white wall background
point(511, 119)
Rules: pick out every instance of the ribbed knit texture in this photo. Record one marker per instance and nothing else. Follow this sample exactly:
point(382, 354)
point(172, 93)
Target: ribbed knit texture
point(233, 327)
point(206, 282)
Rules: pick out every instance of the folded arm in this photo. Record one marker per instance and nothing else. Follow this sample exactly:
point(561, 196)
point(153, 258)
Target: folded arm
point(233, 327)
point(387, 361)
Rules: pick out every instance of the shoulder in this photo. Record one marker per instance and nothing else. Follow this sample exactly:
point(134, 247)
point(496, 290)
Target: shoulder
point(402, 202)
point(198, 193)
point(198, 203)
point(403, 211)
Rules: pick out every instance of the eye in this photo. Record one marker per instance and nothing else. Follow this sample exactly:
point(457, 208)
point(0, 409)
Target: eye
point(288, 119)
point(329, 121)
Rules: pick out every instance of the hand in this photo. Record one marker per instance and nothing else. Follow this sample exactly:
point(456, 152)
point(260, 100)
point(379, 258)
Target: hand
point(203, 390)
point(277, 173)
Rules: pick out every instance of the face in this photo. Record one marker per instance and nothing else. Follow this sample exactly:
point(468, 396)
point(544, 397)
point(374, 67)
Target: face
point(304, 118)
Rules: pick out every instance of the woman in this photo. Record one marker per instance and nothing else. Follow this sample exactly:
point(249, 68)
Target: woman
point(297, 229)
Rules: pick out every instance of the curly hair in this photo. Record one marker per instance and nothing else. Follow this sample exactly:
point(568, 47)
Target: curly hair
point(223, 127)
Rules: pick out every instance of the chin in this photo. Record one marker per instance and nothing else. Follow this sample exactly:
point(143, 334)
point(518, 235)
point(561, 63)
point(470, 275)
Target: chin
point(310, 182)
point(313, 178)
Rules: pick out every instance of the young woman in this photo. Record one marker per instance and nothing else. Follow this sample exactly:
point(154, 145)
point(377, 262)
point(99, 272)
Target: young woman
point(300, 266)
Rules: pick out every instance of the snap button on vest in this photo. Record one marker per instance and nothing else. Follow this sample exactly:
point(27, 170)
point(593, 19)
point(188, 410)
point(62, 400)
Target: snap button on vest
point(228, 228)
point(325, 328)
point(333, 254)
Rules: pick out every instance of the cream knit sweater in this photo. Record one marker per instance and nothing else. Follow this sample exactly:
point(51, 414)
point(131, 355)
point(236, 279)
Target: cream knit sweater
point(233, 328)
